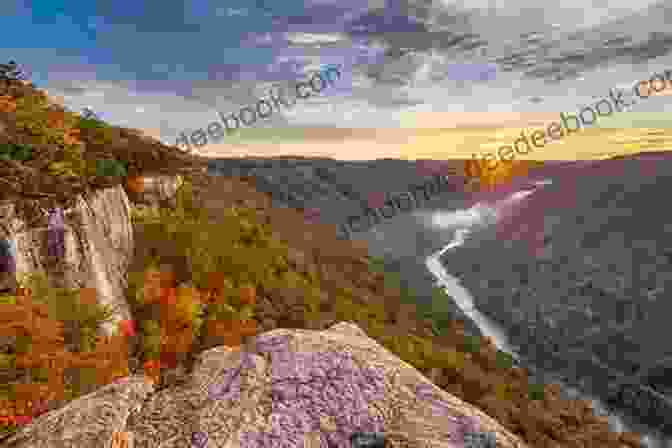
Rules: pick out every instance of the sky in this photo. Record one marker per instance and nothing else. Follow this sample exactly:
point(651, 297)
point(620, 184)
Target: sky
point(171, 66)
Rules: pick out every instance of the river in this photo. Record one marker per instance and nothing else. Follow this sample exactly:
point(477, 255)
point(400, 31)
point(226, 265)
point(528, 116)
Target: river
point(481, 215)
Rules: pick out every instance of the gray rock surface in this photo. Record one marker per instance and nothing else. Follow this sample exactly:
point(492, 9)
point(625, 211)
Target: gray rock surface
point(88, 421)
point(98, 246)
point(289, 388)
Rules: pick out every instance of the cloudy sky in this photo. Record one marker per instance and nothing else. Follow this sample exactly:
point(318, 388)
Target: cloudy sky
point(168, 66)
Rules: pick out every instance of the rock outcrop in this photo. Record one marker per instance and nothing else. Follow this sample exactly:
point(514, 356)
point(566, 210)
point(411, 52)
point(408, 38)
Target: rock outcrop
point(158, 190)
point(290, 388)
point(89, 421)
point(98, 246)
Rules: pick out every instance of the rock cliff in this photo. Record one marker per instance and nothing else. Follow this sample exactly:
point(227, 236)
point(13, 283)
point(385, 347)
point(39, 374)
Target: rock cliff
point(98, 241)
point(98, 246)
point(285, 388)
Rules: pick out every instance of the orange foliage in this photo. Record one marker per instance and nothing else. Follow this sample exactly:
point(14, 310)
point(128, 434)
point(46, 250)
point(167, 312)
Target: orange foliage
point(152, 369)
point(248, 295)
point(7, 103)
point(168, 297)
point(230, 333)
point(155, 285)
point(223, 332)
point(135, 184)
point(47, 350)
point(71, 136)
point(216, 280)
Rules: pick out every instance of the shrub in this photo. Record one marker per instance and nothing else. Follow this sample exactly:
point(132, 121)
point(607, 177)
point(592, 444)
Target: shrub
point(11, 72)
point(13, 151)
point(40, 333)
point(376, 264)
point(504, 360)
point(91, 124)
point(248, 295)
point(188, 307)
point(72, 164)
point(96, 132)
point(536, 391)
point(111, 168)
point(472, 344)
point(80, 311)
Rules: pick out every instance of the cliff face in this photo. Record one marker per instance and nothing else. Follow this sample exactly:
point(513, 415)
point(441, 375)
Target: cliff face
point(299, 387)
point(98, 242)
point(98, 246)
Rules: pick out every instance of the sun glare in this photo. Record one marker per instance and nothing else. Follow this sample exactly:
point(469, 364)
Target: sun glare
point(488, 179)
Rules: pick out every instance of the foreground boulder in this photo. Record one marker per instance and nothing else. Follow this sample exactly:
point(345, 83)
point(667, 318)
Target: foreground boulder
point(89, 421)
point(289, 388)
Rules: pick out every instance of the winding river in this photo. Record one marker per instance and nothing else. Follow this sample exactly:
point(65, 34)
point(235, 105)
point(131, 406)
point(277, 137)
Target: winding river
point(463, 223)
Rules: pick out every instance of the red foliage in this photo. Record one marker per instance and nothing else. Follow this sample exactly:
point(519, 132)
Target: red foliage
point(127, 328)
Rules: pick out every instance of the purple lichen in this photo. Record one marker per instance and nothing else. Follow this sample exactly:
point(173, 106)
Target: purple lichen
point(199, 439)
point(307, 388)
point(466, 430)
point(56, 234)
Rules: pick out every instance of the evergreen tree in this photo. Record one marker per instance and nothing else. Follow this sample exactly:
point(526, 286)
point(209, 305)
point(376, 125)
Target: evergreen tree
point(11, 72)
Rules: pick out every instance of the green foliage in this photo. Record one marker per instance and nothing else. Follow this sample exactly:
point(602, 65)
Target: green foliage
point(39, 374)
point(393, 281)
point(35, 117)
point(72, 163)
point(226, 312)
point(7, 300)
point(61, 169)
point(64, 305)
point(13, 151)
point(189, 308)
point(7, 361)
point(504, 360)
point(87, 341)
point(23, 343)
point(6, 391)
point(145, 215)
point(96, 131)
point(112, 168)
point(85, 377)
point(222, 311)
point(91, 124)
point(472, 344)
point(246, 313)
point(236, 245)
point(151, 342)
point(439, 310)
point(376, 264)
point(536, 391)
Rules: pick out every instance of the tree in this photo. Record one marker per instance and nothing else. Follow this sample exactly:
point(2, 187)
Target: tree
point(11, 72)
point(89, 114)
